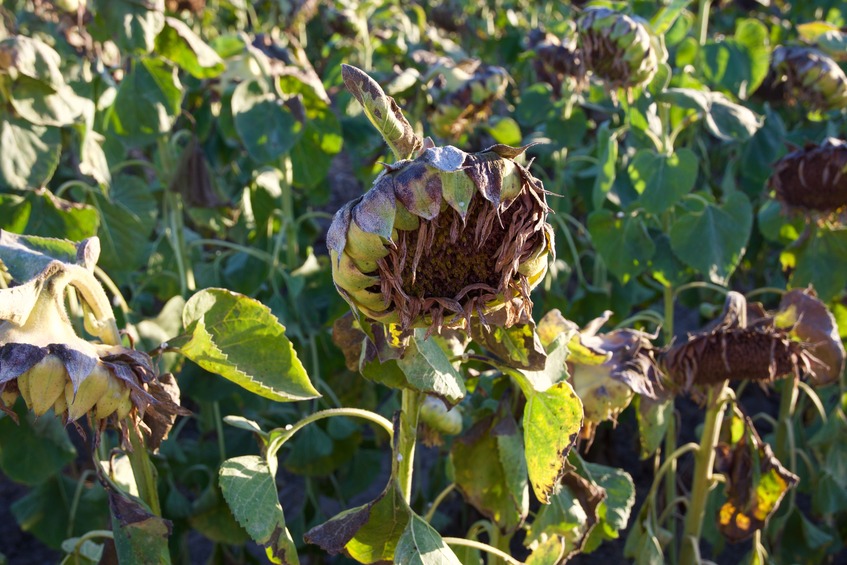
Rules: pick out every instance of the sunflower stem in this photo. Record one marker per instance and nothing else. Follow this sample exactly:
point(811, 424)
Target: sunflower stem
point(406, 439)
point(670, 431)
point(143, 470)
point(787, 405)
point(704, 461)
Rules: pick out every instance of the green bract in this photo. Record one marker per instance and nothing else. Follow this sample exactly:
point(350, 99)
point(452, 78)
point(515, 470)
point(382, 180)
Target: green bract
point(616, 48)
point(809, 78)
point(444, 237)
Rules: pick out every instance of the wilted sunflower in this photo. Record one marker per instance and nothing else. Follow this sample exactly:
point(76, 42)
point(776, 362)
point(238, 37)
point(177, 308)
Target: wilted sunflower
point(617, 48)
point(606, 369)
point(813, 178)
point(558, 62)
point(463, 94)
point(444, 237)
point(808, 78)
point(43, 360)
point(746, 343)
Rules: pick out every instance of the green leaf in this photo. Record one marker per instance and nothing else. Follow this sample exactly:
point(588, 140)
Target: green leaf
point(665, 17)
point(238, 338)
point(753, 38)
point(14, 212)
point(382, 111)
point(712, 239)
point(41, 104)
point(178, 43)
point(653, 420)
point(620, 496)
point(25, 256)
point(498, 489)
point(535, 104)
point(776, 225)
point(813, 263)
point(250, 491)
point(54, 217)
point(661, 180)
point(32, 58)
point(607, 158)
point(551, 422)
point(428, 369)
point(125, 225)
point(266, 127)
point(147, 102)
point(554, 371)
point(133, 25)
point(506, 131)
point(420, 544)
point(623, 242)
point(548, 552)
point(724, 119)
point(30, 153)
point(34, 450)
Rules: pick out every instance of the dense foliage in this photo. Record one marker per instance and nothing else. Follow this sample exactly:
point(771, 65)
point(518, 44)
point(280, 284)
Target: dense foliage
point(648, 169)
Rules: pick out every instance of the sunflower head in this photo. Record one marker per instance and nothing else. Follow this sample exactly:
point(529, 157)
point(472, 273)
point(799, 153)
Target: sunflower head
point(813, 178)
point(44, 360)
point(747, 343)
point(443, 238)
point(617, 48)
point(809, 78)
point(558, 61)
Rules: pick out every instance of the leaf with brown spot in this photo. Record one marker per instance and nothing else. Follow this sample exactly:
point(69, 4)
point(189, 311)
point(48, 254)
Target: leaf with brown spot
point(498, 489)
point(551, 422)
point(756, 483)
point(382, 111)
point(348, 337)
point(139, 535)
point(517, 346)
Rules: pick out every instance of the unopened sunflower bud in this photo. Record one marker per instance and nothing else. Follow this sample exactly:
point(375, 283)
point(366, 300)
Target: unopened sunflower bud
point(813, 178)
point(617, 49)
point(447, 234)
point(809, 78)
point(439, 418)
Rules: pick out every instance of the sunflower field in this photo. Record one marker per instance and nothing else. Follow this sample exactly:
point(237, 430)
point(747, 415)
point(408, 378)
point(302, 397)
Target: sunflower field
point(336, 281)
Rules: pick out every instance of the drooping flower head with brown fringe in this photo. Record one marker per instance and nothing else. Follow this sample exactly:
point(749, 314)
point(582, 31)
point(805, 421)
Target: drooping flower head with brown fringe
point(443, 238)
point(813, 179)
point(747, 343)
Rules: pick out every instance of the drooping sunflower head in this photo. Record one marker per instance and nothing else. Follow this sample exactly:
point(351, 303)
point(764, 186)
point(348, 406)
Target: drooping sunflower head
point(747, 343)
point(443, 238)
point(813, 178)
point(464, 94)
point(558, 61)
point(44, 361)
point(809, 78)
point(617, 48)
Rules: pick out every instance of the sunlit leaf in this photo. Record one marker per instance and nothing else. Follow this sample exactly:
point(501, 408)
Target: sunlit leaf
point(661, 180)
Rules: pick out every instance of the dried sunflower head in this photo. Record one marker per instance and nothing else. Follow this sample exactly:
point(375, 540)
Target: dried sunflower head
point(617, 48)
point(464, 94)
point(746, 343)
point(809, 78)
point(558, 61)
point(813, 178)
point(43, 360)
point(442, 238)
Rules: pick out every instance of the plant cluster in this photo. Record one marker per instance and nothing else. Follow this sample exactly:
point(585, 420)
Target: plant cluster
point(257, 303)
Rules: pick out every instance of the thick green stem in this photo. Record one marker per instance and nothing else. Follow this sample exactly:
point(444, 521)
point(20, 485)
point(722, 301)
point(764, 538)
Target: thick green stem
point(670, 431)
point(703, 22)
point(348, 412)
point(704, 461)
point(406, 439)
point(143, 470)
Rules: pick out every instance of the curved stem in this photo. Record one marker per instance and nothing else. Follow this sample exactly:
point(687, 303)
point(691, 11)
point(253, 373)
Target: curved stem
point(384, 423)
point(666, 465)
point(704, 461)
point(787, 404)
point(814, 398)
point(701, 284)
point(483, 547)
point(106, 281)
point(765, 290)
point(65, 186)
point(80, 484)
point(438, 500)
point(103, 325)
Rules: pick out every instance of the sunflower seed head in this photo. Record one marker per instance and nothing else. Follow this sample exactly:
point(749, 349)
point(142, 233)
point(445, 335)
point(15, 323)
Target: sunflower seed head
point(616, 48)
point(813, 178)
point(809, 78)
